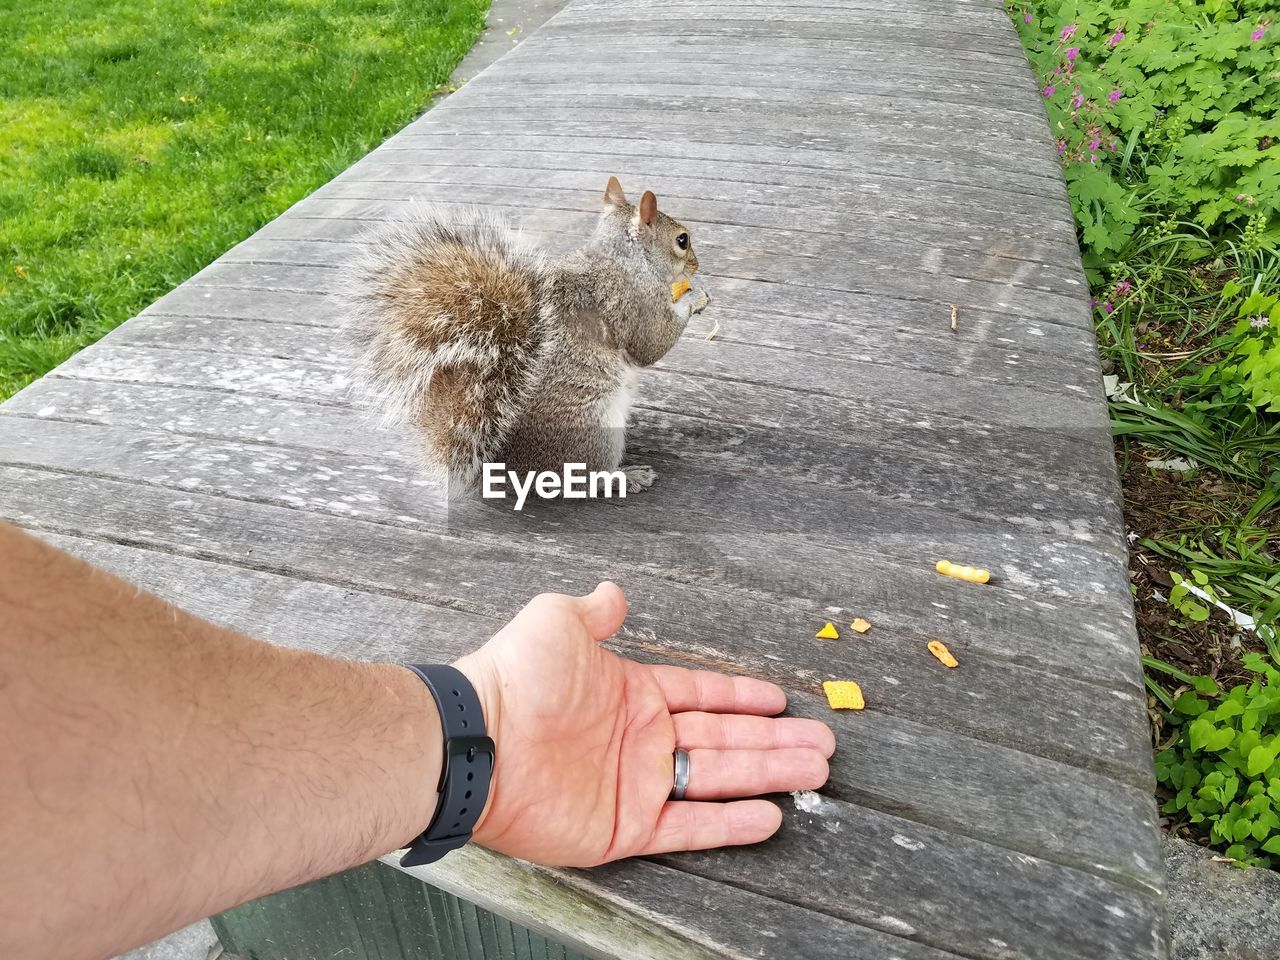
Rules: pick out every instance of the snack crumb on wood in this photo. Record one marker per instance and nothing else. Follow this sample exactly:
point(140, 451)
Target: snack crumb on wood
point(843, 694)
point(860, 625)
point(972, 574)
point(679, 289)
point(939, 650)
point(828, 632)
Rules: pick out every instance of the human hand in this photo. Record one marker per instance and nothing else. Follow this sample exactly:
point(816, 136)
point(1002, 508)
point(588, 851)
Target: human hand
point(585, 740)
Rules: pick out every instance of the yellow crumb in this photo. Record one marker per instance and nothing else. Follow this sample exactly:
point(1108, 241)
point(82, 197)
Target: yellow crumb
point(828, 632)
point(939, 650)
point(972, 574)
point(843, 694)
point(862, 626)
point(679, 289)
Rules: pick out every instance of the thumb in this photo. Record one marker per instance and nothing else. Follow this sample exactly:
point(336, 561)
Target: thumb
point(603, 610)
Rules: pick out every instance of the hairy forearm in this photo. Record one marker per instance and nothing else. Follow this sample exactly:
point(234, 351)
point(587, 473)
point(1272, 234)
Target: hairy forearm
point(209, 768)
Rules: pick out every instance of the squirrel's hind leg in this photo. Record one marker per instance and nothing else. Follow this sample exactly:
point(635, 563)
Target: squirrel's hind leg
point(640, 477)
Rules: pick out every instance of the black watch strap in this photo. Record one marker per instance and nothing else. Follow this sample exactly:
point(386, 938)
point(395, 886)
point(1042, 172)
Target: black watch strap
point(467, 769)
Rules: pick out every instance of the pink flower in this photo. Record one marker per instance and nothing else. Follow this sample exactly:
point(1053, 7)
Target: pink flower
point(1095, 143)
point(1123, 287)
point(1260, 32)
point(1093, 301)
point(1072, 52)
point(1068, 32)
point(1114, 95)
point(1062, 147)
point(1078, 101)
point(1048, 91)
point(1026, 17)
point(1107, 308)
point(1259, 322)
point(1115, 38)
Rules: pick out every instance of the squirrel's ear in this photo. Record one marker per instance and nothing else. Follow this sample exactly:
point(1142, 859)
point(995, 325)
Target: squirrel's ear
point(613, 193)
point(648, 207)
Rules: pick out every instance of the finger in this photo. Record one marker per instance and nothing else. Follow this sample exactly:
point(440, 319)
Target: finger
point(719, 774)
point(717, 692)
point(727, 731)
point(603, 610)
point(699, 826)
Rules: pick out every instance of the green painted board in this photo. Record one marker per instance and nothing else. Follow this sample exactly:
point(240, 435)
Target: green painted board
point(375, 912)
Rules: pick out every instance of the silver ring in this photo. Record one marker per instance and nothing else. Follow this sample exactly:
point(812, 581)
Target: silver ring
point(682, 775)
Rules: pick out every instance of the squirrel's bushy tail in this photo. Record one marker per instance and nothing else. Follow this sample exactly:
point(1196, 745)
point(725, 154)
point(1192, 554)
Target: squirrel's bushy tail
point(449, 321)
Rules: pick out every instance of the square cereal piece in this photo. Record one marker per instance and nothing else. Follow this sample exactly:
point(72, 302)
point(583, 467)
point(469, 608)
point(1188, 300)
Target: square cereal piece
point(843, 694)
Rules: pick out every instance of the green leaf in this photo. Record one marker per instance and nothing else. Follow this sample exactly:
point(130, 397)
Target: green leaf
point(1226, 710)
point(1260, 758)
point(1205, 685)
point(1272, 845)
point(1220, 739)
point(1200, 731)
point(1190, 705)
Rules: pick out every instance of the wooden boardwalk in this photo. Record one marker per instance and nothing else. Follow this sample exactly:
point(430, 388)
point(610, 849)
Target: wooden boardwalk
point(849, 170)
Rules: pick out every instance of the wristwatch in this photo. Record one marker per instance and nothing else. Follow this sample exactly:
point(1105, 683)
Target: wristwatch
point(466, 772)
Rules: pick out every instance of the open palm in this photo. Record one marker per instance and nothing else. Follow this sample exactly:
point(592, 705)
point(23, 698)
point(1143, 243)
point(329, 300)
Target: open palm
point(585, 740)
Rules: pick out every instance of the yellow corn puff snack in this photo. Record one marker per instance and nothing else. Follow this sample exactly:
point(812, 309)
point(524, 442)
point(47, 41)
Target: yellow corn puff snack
point(862, 626)
point(939, 650)
point(679, 289)
point(828, 633)
point(843, 694)
point(972, 574)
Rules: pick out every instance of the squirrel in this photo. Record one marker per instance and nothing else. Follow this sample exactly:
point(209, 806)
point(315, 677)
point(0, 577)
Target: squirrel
point(494, 352)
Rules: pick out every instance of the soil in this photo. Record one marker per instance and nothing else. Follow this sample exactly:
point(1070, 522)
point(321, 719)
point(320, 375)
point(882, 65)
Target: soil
point(1160, 505)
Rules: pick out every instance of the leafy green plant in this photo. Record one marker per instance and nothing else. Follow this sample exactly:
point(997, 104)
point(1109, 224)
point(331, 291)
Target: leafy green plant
point(1251, 371)
point(1161, 105)
point(1184, 601)
point(1223, 769)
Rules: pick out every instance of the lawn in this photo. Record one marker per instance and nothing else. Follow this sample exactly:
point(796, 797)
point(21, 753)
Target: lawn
point(139, 139)
point(1166, 115)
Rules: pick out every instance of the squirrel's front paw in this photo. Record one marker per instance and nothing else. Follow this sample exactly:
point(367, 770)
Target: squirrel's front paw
point(700, 300)
point(639, 478)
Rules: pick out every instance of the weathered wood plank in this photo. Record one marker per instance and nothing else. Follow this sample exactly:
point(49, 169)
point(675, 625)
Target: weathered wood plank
point(1067, 456)
point(1054, 716)
point(1039, 800)
point(874, 198)
point(979, 356)
point(940, 222)
point(1028, 558)
point(879, 316)
point(850, 464)
point(814, 153)
point(792, 256)
point(1022, 262)
point(723, 126)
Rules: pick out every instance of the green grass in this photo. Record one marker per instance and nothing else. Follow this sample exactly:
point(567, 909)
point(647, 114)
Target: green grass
point(141, 138)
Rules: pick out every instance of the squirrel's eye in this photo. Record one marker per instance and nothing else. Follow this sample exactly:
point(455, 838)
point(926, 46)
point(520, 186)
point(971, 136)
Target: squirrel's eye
point(682, 241)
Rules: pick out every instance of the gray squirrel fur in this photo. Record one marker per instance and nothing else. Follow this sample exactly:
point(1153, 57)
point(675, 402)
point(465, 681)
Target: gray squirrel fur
point(493, 352)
